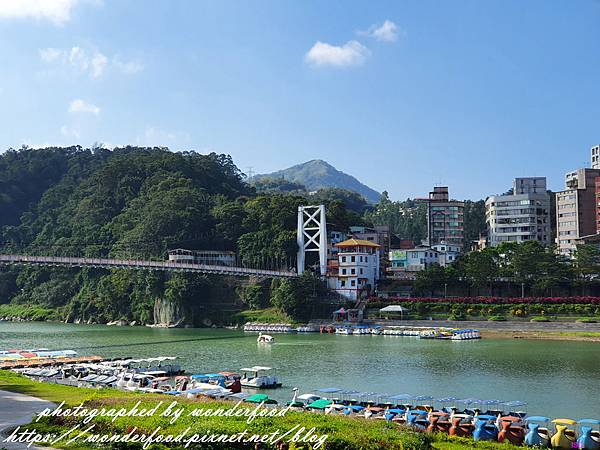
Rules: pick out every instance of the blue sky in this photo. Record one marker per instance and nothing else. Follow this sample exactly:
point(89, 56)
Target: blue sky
point(401, 94)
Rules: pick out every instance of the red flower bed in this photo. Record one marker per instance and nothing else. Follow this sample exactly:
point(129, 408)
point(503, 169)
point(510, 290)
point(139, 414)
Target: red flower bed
point(491, 300)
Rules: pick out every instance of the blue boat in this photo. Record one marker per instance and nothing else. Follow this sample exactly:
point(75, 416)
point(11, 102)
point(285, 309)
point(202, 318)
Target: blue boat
point(537, 436)
point(589, 438)
point(485, 428)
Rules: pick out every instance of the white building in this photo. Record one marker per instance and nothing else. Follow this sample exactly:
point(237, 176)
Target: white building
point(447, 253)
point(521, 216)
point(413, 259)
point(358, 268)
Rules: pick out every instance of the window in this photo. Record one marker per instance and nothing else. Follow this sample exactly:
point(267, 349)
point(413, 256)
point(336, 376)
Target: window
point(361, 271)
point(353, 272)
point(343, 283)
point(353, 259)
point(343, 271)
point(343, 259)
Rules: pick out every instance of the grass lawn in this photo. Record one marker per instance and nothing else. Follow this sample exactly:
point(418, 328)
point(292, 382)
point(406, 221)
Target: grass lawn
point(266, 315)
point(343, 432)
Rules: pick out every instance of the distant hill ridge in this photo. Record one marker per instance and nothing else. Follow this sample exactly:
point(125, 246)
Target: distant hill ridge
point(318, 174)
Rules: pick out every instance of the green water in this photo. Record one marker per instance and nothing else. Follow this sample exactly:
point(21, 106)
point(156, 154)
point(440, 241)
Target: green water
point(554, 378)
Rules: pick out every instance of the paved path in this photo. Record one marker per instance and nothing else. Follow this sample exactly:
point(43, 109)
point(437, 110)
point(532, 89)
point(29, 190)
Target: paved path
point(18, 409)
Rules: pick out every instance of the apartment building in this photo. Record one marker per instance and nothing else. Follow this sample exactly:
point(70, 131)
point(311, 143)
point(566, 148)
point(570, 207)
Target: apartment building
point(358, 268)
point(521, 215)
point(444, 219)
point(576, 208)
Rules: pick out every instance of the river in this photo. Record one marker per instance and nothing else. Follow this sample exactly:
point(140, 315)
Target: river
point(555, 378)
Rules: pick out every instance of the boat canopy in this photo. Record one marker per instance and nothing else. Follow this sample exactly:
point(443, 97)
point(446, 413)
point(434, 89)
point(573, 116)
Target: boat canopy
point(537, 419)
point(240, 395)
point(589, 421)
point(310, 397)
point(355, 407)
point(257, 398)
point(320, 404)
point(255, 369)
point(515, 403)
point(446, 399)
point(401, 397)
point(485, 417)
point(421, 398)
point(329, 390)
point(567, 421)
point(396, 411)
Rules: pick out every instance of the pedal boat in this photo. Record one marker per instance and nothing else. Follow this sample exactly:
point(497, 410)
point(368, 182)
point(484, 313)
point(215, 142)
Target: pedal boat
point(485, 428)
point(538, 431)
point(563, 437)
point(589, 438)
point(511, 430)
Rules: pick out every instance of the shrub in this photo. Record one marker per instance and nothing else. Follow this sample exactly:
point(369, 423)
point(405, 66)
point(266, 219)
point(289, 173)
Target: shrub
point(497, 318)
point(540, 319)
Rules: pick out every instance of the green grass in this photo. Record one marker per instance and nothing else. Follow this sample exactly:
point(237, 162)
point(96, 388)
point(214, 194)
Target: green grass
point(344, 432)
point(266, 315)
point(30, 312)
point(541, 319)
point(587, 334)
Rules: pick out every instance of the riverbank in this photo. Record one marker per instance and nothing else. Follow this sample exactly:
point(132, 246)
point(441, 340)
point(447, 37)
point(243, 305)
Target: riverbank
point(342, 432)
point(561, 331)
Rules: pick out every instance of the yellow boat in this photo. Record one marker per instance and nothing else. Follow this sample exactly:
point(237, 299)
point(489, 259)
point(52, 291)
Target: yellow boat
point(564, 437)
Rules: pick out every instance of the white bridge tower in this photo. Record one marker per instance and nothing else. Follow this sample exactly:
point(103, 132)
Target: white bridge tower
point(312, 235)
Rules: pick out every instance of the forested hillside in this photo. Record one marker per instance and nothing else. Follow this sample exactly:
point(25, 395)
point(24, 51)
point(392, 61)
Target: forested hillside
point(136, 202)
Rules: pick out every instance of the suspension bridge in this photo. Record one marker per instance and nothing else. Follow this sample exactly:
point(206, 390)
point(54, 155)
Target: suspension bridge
point(140, 264)
point(311, 237)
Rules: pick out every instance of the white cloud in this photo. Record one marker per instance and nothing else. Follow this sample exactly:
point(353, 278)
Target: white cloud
point(50, 54)
point(69, 132)
point(90, 62)
point(352, 53)
point(57, 11)
point(127, 67)
point(155, 137)
point(97, 65)
point(80, 106)
point(386, 32)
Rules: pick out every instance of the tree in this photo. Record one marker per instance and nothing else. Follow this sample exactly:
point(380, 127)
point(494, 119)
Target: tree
point(481, 268)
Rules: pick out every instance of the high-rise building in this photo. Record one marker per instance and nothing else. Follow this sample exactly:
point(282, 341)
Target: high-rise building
point(523, 215)
point(595, 157)
point(576, 208)
point(444, 219)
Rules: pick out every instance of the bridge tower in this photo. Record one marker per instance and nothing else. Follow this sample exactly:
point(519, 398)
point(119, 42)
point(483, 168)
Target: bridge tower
point(312, 235)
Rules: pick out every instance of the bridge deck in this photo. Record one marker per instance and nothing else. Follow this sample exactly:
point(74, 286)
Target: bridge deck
point(141, 264)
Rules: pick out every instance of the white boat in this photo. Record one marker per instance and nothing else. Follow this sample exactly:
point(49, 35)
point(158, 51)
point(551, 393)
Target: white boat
point(264, 338)
point(257, 377)
point(343, 330)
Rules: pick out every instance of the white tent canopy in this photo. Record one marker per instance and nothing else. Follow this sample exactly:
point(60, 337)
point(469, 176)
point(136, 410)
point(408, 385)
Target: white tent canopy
point(393, 308)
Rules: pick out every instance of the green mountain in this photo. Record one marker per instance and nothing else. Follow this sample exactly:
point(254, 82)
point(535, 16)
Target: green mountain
point(318, 174)
point(134, 202)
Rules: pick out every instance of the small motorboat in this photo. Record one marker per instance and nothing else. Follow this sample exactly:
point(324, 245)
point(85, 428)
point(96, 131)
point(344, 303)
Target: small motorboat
point(589, 438)
point(563, 437)
point(256, 377)
point(537, 436)
point(265, 338)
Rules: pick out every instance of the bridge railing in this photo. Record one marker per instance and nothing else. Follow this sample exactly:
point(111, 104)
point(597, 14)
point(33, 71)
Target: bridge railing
point(142, 264)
